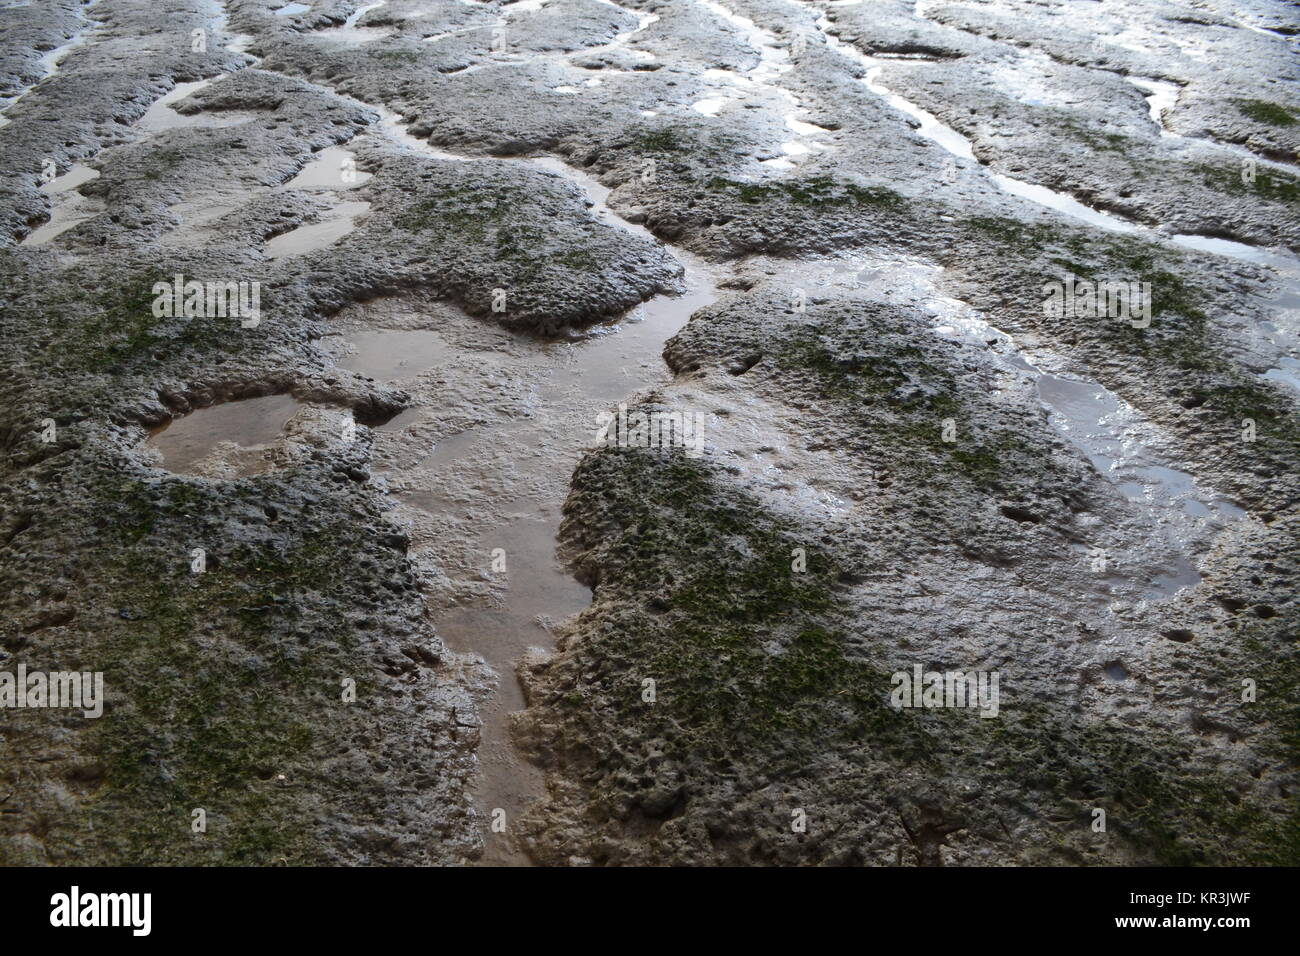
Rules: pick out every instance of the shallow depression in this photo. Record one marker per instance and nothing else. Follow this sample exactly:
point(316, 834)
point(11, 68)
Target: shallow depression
point(459, 478)
point(250, 425)
point(337, 223)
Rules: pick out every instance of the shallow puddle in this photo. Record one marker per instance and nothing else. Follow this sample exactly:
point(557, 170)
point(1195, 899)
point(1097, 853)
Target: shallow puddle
point(250, 424)
point(352, 35)
point(387, 354)
point(317, 235)
point(76, 176)
point(571, 383)
point(450, 449)
point(333, 168)
point(1285, 262)
point(161, 116)
point(1102, 426)
point(541, 593)
point(1110, 433)
point(68, 210)
point(1161, 95)
point(202, 212)
point(589, 376)
point(1287, 372)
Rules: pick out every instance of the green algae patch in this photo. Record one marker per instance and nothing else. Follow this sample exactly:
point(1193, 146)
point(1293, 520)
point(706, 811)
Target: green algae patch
point(223, 696)
point(892, 392)
point(1241, 400)
point(1171, 812)
point(1178, 332)
point(1096, 140)
point(816, 192)
point(1262, 111)
point(1013, 233)
point(1267, 183)
point(89, 323)
point(740, 643)
point(467, 212)
point(715, 149)
point(845, 373)
point(665, 139)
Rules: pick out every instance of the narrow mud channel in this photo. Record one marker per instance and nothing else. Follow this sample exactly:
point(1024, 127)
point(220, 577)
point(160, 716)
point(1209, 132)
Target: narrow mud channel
point(571, 384)
point(502, 485)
